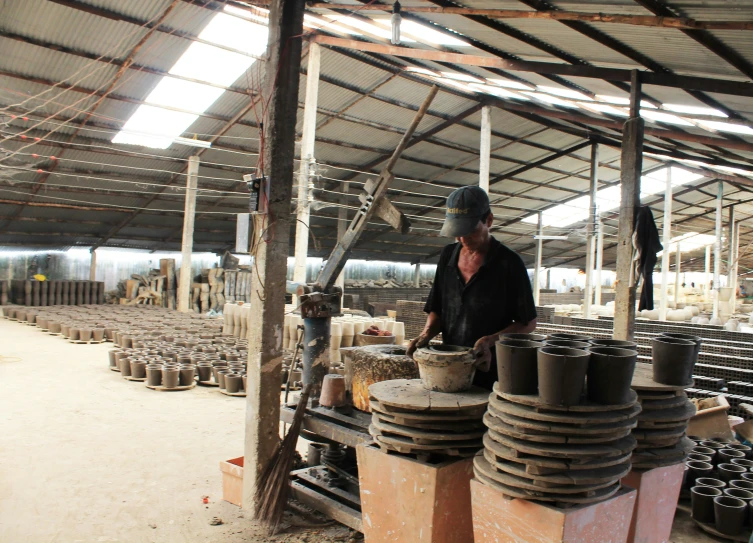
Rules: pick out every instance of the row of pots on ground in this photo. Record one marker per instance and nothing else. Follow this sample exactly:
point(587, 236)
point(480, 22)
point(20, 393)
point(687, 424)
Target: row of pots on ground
point(557, 366)
point(720, 479)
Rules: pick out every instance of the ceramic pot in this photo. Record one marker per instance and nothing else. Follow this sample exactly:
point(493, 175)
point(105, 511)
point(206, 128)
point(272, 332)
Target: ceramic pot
point(729, 514)
point(571, 337)
point(729, 472)
point(125, 366)
point(517, 365)
point(154, 375)
point(233, 383)
point(689, 337)
point(538, 338)
point(170, 376)
point(746, 476)
point(314, 454)
point(221, 377)
point(702, 502)
point(113, 358)
point(741, 483)
point(583, 345)
point(205, 372)
point(138, 369)
point(709, 481)
point(610, 373)
point(85, 334)
point(740, 447)
point(98, 334)
point(620, 343)
point(741, 493)
point(673, 360)
point(699, 457)
point(445, 368)
point(333, 391)
point(54, 327)
point(187, 375)
point(245, 388)
point(696, 470)
point(562, 373)
point(726, 456)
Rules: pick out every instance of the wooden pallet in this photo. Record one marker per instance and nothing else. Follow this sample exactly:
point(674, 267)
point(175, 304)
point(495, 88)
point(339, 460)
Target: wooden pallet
point(176, 389)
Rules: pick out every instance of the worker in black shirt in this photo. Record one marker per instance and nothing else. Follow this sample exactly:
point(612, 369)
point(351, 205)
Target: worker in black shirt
point(481, 288)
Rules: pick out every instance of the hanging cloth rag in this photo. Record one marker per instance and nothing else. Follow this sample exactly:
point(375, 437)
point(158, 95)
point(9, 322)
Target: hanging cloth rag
point(647, 243)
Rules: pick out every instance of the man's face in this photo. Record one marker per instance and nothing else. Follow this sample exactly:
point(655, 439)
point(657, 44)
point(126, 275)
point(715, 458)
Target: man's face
point(478, 238)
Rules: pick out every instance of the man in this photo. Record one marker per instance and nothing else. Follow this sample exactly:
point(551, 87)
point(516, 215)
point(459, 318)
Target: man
point(481, 288)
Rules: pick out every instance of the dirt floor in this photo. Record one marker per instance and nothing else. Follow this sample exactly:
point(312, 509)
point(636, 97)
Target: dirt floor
point(86, 456)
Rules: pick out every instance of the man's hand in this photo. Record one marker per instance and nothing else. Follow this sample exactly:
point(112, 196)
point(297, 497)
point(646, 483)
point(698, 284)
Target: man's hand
point(482, 352)
point(421, 341)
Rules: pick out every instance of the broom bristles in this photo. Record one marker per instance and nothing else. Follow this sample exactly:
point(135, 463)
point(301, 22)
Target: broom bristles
point(273, 487)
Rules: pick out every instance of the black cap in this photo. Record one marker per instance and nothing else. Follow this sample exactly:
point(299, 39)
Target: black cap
point(465, 207)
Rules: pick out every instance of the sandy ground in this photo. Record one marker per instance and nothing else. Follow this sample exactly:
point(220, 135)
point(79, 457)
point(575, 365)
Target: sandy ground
point(86, 456)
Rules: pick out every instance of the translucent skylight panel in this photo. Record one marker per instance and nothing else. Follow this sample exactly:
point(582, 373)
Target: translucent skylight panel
point(261, 17)
point(727, 127)
point(603, 108)
point(497, 91)
point(668, 118)
point(424, 33)
point(315, 22)
point(370, 28)
point(207, 63)
point(462, 77)
point(236, 33)
point(457, 84)
point(183, 95)
point(565, 93)
point(423, 71)
point(511, 84)
point(551, 99)
point(693, 110)
point(622, 101)
point(154, 127)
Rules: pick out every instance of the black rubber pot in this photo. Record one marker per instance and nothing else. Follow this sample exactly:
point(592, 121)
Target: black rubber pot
point(729, 514)
point(620, 343)
point(741, 483)
point(583, 345)
point(688, 337)
point(610, 372)
point(562, 374)
point(517, 366)
point(696, 470)
point(727, 455)
point(572, 337)
point(730, 472)
point(702, 502)
point(709, 481)
point(528, 337)
point(673, 360)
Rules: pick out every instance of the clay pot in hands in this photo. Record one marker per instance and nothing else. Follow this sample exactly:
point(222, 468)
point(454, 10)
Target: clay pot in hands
point(610, 373)
point(562, 374)
point(517, 366)
point(673, 360)
point(445, 368)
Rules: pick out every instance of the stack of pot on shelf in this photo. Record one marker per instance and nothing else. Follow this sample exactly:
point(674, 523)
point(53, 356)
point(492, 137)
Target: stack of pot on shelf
point(559, 419)
point(720, 478)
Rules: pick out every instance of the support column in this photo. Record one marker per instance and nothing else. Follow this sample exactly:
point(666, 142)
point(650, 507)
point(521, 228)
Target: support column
point(485, 148)
point(92, 266)
point(303, 207)
point(417, 275)
point(280, 86)
point(707, 270)
point(732, 280)
point(189, 214)
point(342, 227)
point(590, 240)
point(718, 248)
point(666, 236)
point(730, 241)
point(678, 261)
point(537, 266)
point(630, 187)
point(599, 260)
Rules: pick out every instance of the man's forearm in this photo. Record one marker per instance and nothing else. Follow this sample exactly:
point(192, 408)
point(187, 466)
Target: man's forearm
point(432, 328)
point(514, 328)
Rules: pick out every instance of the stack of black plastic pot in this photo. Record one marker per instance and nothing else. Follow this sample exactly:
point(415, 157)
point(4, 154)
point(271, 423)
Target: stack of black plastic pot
point(720, 480)
point(560, 419)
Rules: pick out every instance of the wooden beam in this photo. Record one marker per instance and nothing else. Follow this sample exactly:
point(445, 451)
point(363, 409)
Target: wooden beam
point(638, 20)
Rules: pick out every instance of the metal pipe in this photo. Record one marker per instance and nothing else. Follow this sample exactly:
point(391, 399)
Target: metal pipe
point(590, 246)
point(599, 260)
point(537, 267)
point(666, 236)
point(718, 247)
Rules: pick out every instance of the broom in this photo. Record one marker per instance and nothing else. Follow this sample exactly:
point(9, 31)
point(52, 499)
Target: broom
point(273, 487)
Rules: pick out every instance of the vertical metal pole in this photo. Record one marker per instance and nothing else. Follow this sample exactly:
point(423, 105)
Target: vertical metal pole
point(590, 240)
point(666, 236)
point(417, 275)
point(537, 267)
point(189, 214)
point(718, 247)
point(732, 280)
point(599, 260)
point(92, 266)
point(707, 270)
point(678, 262)
point(730, 243)
point(632, 166)
point(308, 138)
point(485, 148)
point(342, 227)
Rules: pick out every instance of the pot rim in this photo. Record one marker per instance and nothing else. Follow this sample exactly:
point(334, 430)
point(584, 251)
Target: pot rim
point(716, 492)
point(615, 352)
point(720, 499)
point(673, 341)
point(564, 352)
point(512, 342)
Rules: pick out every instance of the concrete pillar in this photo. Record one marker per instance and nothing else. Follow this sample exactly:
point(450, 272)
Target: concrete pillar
point(303, 210)
point(189, 214)
point(342, 227)
point(678, 261)
point(590, 240)
point(732, 281)
point(537, 266)
point(707, 270)
point(632, 166)
point(280, 88)
point(718, 247)
point(599, 260)
point(485, 148)
point(731, 254)
point(417, 275)
point(92, 266)
point(666, 236)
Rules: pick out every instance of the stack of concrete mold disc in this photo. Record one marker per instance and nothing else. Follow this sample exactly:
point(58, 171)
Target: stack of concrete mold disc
point(566, 455)
point(662, 423)
point(409, 419)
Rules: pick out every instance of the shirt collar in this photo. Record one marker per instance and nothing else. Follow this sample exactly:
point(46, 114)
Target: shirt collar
point(493, 250)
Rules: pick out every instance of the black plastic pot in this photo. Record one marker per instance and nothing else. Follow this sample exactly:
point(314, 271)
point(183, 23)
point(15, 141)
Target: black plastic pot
point(572, 337)
point(528, 337)
point(562, 374)
point(696, 470)
point(702, 502)
point(688, 337)
point(610, 372)
point(619, 343)
point(567, 343)
point(730, 472)
point(673, 360)
point(710, 481)
point(517, 366)
point(729, 514)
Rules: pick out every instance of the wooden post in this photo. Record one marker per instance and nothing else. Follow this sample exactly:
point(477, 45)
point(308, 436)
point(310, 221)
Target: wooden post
point(189, 214)
point(718, 248)
point(417, 275)
point(92, 267)
point(303, 208)
point(590, 240)
point(632, 165)
point(537, 266)
point(280, 87)
point(342, 226)
point(485, 148)
point(599, 260)
point(678, 262)
point(666, 236)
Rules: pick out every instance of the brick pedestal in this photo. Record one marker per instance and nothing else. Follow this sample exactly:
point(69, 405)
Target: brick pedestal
point(499, 519)
point(658, 492)
point(404, 500)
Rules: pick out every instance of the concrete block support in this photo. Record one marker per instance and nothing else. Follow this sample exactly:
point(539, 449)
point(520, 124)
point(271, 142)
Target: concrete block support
point(658, 491)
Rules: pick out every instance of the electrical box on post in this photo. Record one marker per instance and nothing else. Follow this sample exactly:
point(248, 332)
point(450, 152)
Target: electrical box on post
point(258, 198)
